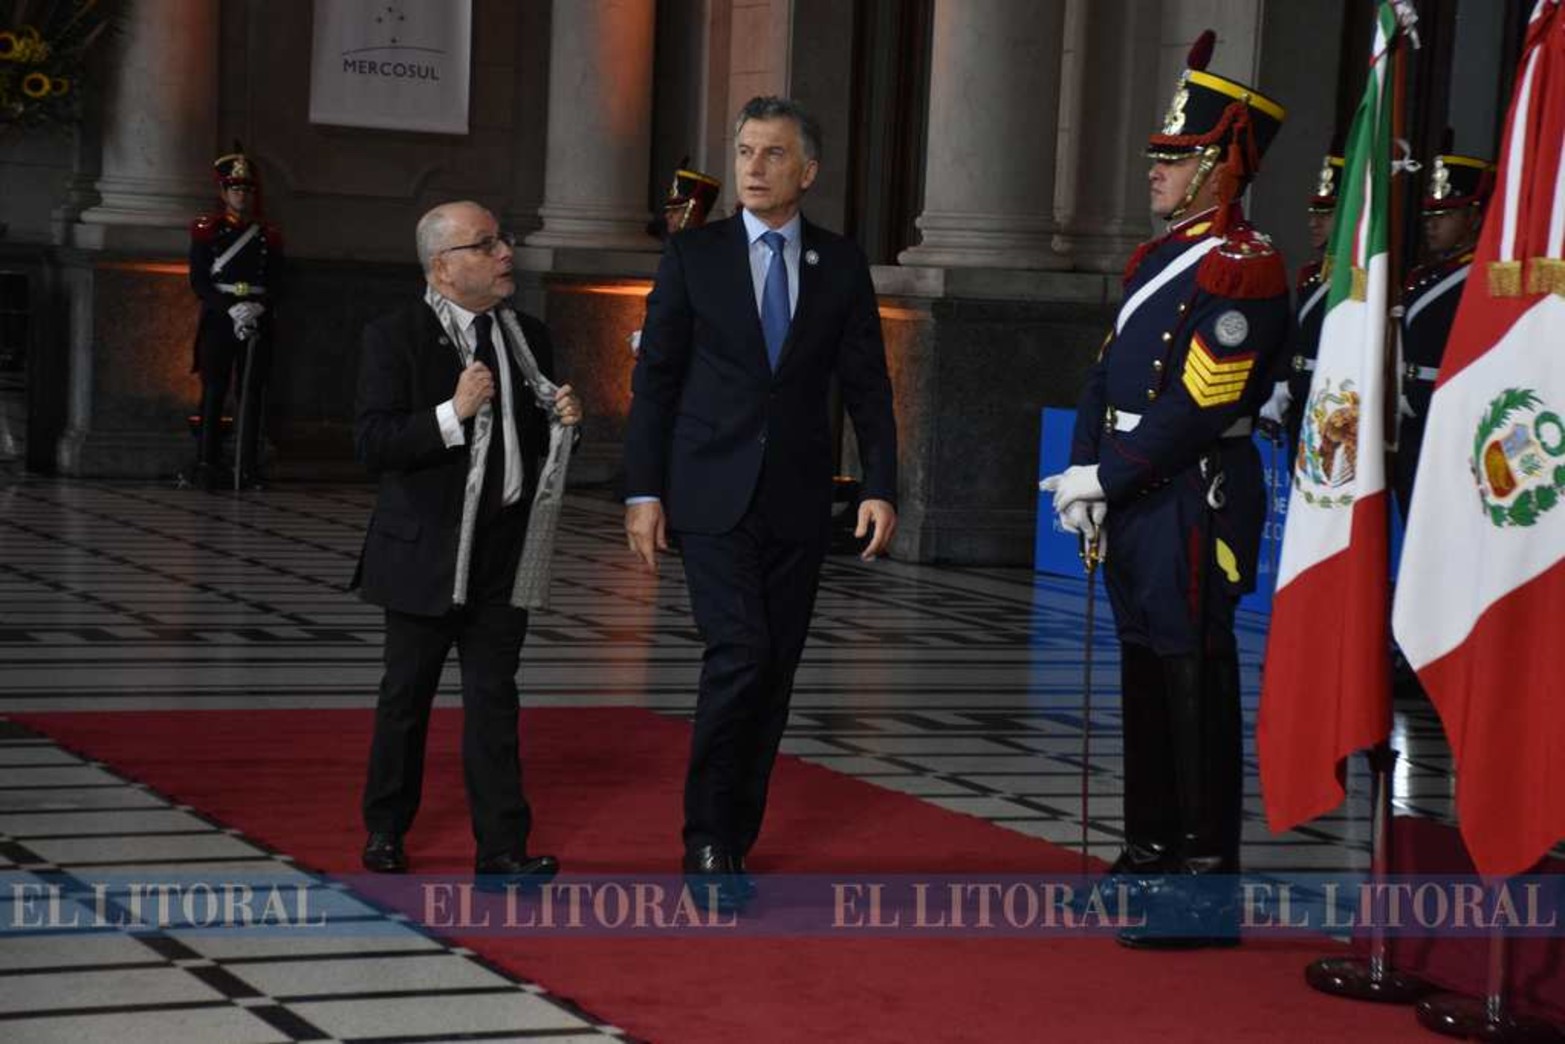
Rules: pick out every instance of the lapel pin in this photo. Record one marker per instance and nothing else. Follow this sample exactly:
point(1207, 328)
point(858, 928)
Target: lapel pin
point(811, 257)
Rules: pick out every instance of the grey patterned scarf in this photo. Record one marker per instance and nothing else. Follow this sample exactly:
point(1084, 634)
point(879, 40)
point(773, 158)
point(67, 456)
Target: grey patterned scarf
point(531, 589)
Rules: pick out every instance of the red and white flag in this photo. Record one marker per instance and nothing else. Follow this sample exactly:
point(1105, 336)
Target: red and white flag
point(1326, 689)
point(1481, 596)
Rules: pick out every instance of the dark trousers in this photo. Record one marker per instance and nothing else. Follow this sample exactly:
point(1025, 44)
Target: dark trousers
point(223, 358)
point(488, 634)
point(752, 594)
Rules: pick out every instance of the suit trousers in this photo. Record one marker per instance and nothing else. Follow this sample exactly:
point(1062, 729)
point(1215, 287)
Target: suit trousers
point(752, 594)
point(488, 633)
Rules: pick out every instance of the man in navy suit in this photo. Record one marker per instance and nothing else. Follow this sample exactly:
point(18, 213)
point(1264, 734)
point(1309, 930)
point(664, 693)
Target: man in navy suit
point(729, 446)
point(454, 412)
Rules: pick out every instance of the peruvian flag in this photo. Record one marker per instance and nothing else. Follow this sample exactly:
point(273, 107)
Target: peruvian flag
point(1481, 598)
point(1326, 689)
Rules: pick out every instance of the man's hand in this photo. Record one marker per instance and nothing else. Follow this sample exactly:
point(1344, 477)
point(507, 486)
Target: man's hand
point(1275, 409)
point(567, 405)
point(646, 531)
point(246, 316)
point(879, 519)
point(1077, 482)
point(474, 388)
point(1084, 517)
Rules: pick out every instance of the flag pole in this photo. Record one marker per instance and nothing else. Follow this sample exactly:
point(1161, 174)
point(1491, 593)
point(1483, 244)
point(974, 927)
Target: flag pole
point(1375, 979)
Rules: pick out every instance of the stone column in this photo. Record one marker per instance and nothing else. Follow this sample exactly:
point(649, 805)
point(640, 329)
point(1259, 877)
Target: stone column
point(994, 92)
point(1113, 94)
point(159, 129)
point(600, 126)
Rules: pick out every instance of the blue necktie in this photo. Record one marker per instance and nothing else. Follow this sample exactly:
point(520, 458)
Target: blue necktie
point(774, 298)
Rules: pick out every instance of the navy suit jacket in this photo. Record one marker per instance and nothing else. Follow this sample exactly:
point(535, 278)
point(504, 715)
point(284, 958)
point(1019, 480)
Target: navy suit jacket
point(712, 428)
point(409, 367)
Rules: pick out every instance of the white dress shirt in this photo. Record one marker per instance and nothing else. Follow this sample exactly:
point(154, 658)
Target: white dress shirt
point(451, 427)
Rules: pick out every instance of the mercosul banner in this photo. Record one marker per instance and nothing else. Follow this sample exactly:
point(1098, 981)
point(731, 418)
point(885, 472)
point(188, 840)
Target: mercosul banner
point(392, 66)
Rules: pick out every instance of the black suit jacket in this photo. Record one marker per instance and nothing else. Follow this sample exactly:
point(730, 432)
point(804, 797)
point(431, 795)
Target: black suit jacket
point(409, 367)
point(711, 426)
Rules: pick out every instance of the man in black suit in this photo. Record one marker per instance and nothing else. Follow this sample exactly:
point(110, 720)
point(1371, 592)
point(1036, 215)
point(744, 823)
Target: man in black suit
point(454, 417)
point(728, 445)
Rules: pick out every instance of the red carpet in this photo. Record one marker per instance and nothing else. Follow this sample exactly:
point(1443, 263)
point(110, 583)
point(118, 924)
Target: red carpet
point(605, 785)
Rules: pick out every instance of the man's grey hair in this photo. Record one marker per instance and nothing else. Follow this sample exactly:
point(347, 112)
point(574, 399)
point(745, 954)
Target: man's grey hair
point(434, 231)
point(771, 107)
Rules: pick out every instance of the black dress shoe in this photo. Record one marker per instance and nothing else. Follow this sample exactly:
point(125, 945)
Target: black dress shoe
point(497, 873)
point(383, 853)
point(711, 878)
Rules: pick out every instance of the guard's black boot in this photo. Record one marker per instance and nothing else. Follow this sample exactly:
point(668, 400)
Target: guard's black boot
point(1197, 905)
point(1151, 812)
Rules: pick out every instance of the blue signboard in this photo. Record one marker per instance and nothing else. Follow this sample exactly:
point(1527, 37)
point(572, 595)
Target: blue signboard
point(1056, 551)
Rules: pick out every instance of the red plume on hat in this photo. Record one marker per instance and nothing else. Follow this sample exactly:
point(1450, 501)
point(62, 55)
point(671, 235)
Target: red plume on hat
point(1200, 55)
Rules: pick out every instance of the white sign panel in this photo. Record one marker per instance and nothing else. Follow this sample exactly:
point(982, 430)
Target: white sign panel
point(394, 66)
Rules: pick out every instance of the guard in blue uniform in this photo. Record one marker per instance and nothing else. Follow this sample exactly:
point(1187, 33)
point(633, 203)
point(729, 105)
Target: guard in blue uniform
point(236, 269)
point(1309, 309)
point(1459, 189)
point(1163, 464)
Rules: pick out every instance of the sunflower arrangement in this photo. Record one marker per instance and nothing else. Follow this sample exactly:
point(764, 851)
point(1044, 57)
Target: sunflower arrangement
point(43, 52)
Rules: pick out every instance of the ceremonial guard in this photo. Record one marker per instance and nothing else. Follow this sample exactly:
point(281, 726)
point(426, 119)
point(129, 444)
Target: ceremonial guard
point(1164, 472)
point(1309, 302)
point(1459, 188)
point(236, 268)
point(691, 197)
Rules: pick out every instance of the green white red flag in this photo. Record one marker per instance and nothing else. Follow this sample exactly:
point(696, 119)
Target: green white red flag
point(1325, 691)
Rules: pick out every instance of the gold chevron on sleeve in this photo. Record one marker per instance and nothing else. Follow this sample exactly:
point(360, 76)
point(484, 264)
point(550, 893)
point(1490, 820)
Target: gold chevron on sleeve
point(1212, 381)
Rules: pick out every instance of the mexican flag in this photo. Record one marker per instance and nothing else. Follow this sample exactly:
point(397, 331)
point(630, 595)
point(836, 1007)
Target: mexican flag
point(1480, 608)
point(1325, 692)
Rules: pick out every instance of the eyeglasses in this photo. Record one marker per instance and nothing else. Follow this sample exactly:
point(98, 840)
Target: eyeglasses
point(488, 245)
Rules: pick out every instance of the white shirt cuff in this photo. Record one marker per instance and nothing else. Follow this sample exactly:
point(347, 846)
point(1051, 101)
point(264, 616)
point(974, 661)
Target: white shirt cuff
point(629, 501)
point(450, 426)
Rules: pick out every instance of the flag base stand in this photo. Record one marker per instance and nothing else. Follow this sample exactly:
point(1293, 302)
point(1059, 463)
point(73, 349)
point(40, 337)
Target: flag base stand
point(1372, 978)
point(1469, 1018)
point(1357, 978)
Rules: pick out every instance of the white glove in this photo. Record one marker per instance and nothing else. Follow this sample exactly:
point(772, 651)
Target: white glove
point(1078, 482)
point(635, 344)
point(245, 315)
point(1276, 408)
point(1085, 517)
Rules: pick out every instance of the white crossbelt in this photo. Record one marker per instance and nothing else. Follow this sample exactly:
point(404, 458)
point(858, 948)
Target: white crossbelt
point(242, 289)
point(1124, 420)
point(1422, 373)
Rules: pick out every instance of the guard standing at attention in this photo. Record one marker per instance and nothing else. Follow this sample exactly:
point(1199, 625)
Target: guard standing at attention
point(1453, 209)
point(1309, 309)
point(236, 269)
point(1164, 472)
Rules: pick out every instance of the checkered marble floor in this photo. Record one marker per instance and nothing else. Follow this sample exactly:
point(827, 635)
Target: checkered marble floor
point(962, 687)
